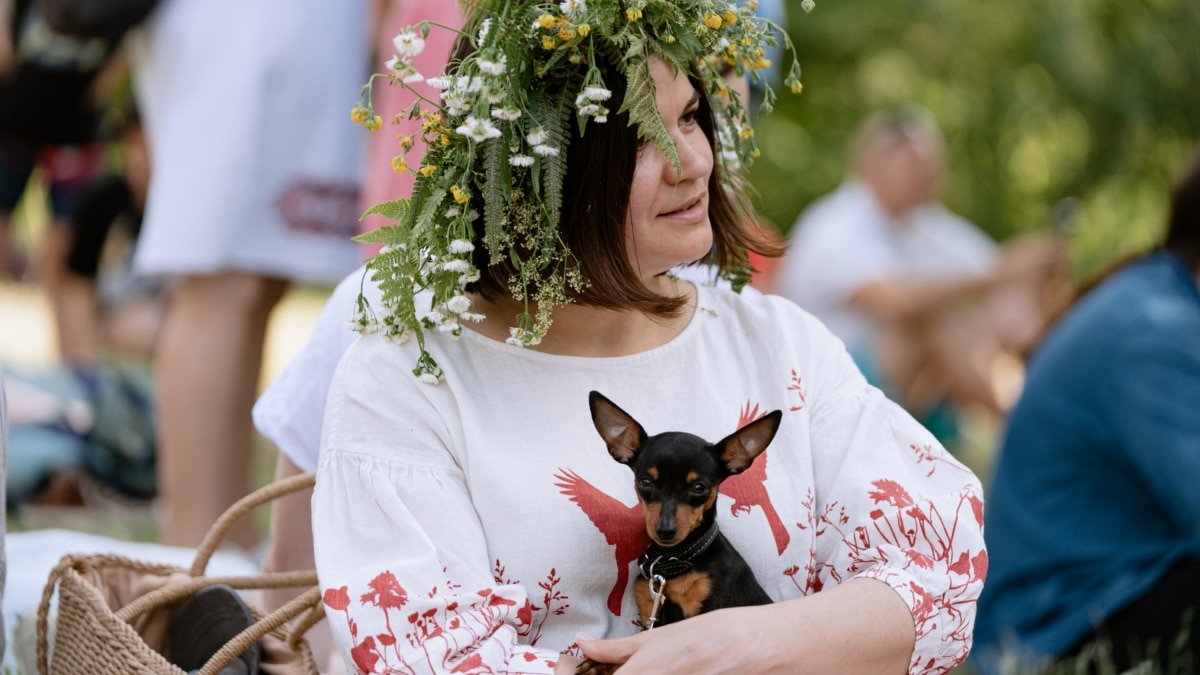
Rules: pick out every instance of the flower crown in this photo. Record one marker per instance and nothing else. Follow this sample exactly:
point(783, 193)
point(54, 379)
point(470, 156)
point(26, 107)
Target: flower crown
point(498, 138)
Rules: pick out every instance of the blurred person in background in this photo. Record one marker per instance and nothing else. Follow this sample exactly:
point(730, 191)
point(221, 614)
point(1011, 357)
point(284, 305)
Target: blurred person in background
point(51, 90)
point(256, 166)
point(1093, 517)
point(923, 299)
point(118, 314)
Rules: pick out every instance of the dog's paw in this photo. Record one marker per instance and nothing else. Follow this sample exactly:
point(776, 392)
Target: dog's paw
point(590, 667)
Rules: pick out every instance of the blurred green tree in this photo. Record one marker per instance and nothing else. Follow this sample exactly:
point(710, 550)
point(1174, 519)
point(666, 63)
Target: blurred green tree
point(1039, 100)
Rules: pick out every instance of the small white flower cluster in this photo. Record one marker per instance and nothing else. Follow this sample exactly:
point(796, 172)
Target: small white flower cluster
point(536, 140)
point(589, 103)
point(521, 337)
point(408, 45)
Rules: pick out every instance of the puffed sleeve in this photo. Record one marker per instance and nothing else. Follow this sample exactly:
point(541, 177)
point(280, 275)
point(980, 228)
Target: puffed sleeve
point(893, 505)
point(400, 552)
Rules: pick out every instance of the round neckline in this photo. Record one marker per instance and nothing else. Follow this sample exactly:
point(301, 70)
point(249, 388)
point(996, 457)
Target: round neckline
point(703, 293)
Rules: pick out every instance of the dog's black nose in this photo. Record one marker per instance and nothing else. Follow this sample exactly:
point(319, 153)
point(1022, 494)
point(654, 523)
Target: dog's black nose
point(665, 533)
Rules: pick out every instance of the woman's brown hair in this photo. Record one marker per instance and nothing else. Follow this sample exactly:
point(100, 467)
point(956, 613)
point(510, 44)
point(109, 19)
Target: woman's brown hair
point(599, 176)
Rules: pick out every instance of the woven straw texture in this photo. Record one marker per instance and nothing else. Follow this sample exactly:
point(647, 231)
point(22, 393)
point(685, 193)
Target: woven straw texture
point(114, 612)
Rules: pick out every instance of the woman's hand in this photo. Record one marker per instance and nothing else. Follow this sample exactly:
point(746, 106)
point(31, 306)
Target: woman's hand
point(724, 641)
point(861, 626)
point(567, 664)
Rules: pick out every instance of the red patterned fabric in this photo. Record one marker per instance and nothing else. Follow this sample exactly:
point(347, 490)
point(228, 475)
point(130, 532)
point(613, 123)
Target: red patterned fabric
point(480, 525)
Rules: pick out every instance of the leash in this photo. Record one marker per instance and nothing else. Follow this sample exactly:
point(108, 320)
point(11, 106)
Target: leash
point(658, 564)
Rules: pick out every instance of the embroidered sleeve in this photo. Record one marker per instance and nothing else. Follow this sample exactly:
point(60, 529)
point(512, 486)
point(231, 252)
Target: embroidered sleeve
point(400, 552)
point(895, 506)
point(405, 578)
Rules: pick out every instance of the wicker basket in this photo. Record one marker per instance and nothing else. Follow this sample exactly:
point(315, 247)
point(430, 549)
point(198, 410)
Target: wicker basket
point(114, 612)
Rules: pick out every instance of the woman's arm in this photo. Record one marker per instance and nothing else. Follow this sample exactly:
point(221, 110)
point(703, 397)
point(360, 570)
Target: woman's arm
point(861, 626)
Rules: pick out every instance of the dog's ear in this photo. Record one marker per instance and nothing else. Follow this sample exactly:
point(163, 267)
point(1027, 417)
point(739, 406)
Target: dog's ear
point(621, 433)
point(738, 450)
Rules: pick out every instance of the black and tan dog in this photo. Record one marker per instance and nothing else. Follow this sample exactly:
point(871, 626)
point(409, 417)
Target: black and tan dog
point(676, 476)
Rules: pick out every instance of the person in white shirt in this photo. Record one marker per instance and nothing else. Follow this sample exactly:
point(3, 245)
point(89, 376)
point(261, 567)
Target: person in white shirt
point(467, 517)
point(923, 299)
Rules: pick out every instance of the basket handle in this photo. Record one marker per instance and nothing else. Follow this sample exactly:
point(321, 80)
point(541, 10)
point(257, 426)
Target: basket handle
point(186, 588)
point(310, 600)
point(219, 529)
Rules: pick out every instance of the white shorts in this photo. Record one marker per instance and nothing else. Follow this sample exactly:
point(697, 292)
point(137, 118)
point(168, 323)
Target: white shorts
point(255, 161)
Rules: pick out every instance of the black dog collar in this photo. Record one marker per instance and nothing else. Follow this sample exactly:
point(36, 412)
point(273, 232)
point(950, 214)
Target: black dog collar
point(669, 563)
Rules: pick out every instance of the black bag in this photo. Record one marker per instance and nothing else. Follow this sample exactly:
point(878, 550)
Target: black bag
point(95, 18)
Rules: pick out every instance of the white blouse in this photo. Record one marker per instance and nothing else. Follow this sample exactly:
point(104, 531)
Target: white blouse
point(479, 525)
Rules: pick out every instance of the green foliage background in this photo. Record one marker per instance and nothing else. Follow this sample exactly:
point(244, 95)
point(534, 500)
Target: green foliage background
point(1039, 100)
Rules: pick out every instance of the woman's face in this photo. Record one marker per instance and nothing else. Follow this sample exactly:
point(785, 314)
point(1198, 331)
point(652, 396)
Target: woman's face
point(667, 222)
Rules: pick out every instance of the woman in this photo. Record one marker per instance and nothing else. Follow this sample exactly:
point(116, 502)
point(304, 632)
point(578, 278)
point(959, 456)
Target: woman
point(479, 524)
point(1094, 521)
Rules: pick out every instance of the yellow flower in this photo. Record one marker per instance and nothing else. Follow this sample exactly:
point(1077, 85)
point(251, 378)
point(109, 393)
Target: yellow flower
point(757, 153)
point(373, 123)
point(399, 165)
point(566, 35)
point(545, 20)
point(445, 141)
point(428, 171)
point(796, 87)
point(547, 42)
point(730, 17)
point(713, 21)
point(747, 133)
point(431, 123)
point(459, 196)
point(358, 114)
point(406, 142)
point(762, 63)
point(583, 30)
point(633, 14)
point(670, 39)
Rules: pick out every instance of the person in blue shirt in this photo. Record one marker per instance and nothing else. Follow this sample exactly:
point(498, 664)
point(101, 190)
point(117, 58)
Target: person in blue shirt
point(1093, 519)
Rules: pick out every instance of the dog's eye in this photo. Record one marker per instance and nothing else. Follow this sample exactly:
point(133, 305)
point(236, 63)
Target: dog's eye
point(644, 483)
point(699, 490)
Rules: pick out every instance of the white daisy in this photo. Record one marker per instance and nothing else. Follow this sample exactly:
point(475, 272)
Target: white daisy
point(459, 304)
point(546, 150)
point(521, 160)
point(408, 44)
point(597, 93)
point(478, 130)
point(494, 67)
point(537, 136)
point(506, 114)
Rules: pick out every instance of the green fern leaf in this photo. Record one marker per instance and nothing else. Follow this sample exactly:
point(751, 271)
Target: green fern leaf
point(494, 201)
point(556, 118)
point(388, 235)
point(642, 105)
point(393, 210)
